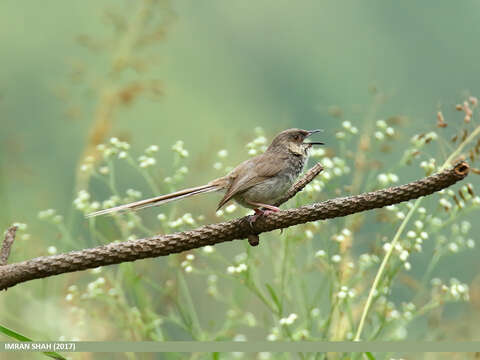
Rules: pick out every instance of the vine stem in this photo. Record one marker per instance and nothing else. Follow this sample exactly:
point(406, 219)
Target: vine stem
point(399, 232)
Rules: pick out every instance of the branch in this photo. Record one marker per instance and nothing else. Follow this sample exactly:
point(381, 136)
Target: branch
point(7, 244)
point(162, 245)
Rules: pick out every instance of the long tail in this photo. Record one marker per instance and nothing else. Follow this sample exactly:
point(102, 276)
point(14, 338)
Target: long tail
point(159, 200)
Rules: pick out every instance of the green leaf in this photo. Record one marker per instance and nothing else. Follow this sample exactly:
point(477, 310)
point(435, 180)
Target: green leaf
point(369, 356)
point(274, 297)
point(17, 336)
point(216, 356)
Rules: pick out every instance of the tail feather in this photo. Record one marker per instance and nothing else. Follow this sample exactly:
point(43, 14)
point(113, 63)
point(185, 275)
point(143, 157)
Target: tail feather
point(158, 200)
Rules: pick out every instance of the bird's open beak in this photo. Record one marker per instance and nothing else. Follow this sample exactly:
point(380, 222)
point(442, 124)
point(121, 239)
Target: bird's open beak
point(314, 132)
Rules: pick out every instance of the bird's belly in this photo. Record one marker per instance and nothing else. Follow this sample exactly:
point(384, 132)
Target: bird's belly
point(266, 192)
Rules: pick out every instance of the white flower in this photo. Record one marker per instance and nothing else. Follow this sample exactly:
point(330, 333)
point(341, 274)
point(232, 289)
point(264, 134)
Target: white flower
point(222, 153)
point(241, 267)
point(133, 193)
point(453, 247)
point(419, 224)
point(188, 269)
point(394, 314)
point(151, 149)
point(336, 258)
point(179, 149)
point(445, 203)
point(320, 253)
point(161, 217)
point(52, 250)
point(382, 179)
point(470, 243)
point(411, 234)
point(271, 337)
point(327, 162)
point(346, 232)
point(45, 214)
point(339, 238)
point(393, 177)
point(407, 266)
point(288, 320)
point(381, 124)
point(379, 135)
point(404, 255)
point(187, 218)
point(309, 234)
point(190, 257)
point(386, 247)
point(230, 208)
point(208, 249)
point(390, 131)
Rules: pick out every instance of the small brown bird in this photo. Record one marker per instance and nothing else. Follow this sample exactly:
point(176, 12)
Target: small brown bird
point(256, 183)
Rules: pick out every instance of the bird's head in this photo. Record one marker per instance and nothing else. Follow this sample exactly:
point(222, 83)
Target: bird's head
point(293, 140)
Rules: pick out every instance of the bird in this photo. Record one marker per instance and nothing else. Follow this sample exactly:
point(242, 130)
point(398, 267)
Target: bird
point(256, 183)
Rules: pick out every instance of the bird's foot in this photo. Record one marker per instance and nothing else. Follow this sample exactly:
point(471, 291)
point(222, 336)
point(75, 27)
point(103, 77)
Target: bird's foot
point(260, 211)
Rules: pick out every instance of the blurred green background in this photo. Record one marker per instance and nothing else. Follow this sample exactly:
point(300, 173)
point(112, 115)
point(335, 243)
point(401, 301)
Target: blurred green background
point(224, 68)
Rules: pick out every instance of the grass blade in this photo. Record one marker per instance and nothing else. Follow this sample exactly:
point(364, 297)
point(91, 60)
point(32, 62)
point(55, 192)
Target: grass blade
point(17, 336)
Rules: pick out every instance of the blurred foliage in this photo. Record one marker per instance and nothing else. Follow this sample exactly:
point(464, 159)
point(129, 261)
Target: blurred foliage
point(85, 86)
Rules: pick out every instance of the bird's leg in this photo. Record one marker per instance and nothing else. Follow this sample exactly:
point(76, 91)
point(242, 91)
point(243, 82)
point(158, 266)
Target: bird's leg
point(269, 208)
point(259, 211)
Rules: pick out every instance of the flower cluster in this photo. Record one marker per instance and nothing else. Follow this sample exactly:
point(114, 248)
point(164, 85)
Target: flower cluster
point(383, 130)
point(259, 144)
point(179, 149)
point(348, 128)
point(187, 263)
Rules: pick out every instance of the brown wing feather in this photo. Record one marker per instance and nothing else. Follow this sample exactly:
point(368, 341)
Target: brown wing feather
point(252, 172)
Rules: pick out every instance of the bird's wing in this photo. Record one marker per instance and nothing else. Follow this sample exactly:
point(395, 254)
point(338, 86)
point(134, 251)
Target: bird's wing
point(251, 173)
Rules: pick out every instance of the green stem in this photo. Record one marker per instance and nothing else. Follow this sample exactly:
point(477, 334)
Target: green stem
point(191, 306)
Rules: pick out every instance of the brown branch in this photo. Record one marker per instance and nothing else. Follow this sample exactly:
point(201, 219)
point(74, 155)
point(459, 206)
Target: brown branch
point(7, 244)
point(162, 245)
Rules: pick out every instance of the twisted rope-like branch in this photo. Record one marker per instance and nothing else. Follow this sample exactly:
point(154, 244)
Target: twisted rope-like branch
point(162, 245)
point(7, 244)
